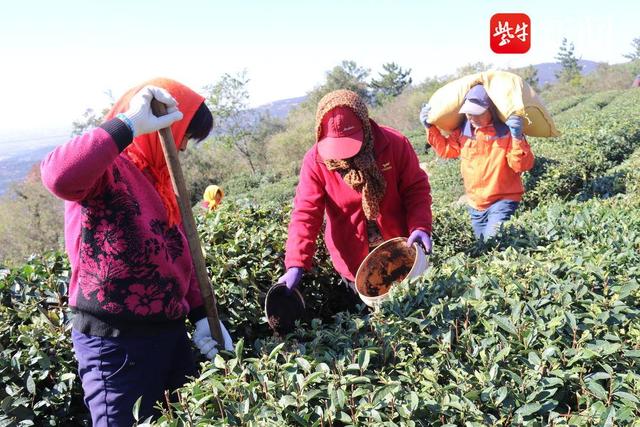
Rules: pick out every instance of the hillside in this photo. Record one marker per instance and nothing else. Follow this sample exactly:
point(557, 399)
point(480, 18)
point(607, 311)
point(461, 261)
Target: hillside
point(546, 75)
point(539, 327)
point(15, 164)
point(547, 70)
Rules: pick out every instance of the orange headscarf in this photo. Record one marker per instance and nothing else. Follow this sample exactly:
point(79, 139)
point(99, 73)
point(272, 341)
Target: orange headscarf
point(146, 151)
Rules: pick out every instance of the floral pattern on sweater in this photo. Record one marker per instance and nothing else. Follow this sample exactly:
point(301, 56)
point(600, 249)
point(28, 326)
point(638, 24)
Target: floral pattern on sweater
point(118, 274)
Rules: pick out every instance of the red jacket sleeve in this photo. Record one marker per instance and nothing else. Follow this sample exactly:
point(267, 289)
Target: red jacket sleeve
point(73, 170)
point(306, 217)
point(447, 147)
point(414, 188)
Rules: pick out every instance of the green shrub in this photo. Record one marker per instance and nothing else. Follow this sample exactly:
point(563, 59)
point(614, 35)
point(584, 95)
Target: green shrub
point(37, 366)
point(542, 329)
point(594, 139)
point(260, 189)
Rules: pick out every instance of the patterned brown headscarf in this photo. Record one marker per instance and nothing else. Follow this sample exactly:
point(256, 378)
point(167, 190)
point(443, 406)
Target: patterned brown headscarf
point(360, 172)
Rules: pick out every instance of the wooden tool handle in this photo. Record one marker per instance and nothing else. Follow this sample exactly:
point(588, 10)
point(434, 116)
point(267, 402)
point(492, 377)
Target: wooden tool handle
point(189, 224)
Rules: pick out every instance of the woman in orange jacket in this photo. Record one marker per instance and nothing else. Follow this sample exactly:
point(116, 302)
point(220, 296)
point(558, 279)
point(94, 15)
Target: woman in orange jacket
point(493, 157)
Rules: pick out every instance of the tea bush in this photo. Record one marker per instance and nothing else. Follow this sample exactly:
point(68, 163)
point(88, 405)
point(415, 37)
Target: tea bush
point(564, 104)
point(37, 368)
point(260, 189)
point(592, 142)
point(540, 329)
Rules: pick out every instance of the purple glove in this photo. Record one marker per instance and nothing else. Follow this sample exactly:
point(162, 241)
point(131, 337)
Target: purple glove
point(292, 277)
point(515, 126)
point(420, 237)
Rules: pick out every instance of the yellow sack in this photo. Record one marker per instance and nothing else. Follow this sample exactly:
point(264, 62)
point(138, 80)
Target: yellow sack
point(508, 92)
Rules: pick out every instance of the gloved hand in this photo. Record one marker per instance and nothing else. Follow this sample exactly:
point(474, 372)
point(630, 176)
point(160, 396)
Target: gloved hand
point(139, 116)
point(424, 114)
point(420, 237)
point(205, 343)
point(515, 126)
point(292, 277)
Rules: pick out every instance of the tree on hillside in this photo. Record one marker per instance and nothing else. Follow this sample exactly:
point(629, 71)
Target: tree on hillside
point(227, 97)
point(472, 68)
point(90, 119)
point(530, 75)
point(566, 56)
point(235, 125)
point(391, 82)
point(346, 75)
point(635, 54)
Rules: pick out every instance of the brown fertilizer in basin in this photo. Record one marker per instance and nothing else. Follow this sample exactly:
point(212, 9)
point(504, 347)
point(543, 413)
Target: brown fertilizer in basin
point(387, 264)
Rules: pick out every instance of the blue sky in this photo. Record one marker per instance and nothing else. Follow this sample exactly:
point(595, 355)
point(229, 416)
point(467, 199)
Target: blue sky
point(59, 57)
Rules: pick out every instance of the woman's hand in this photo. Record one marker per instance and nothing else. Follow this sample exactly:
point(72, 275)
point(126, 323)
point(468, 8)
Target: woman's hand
point(139, 116)
point(421, 237)
point(205, 343)
point(515, 126)
point(424, 115)
point(292, 277)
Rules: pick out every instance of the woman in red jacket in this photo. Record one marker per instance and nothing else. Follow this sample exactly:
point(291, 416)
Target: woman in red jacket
point(365, 180)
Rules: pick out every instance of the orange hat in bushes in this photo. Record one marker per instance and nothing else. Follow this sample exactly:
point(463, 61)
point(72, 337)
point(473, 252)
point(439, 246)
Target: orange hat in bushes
point(212, 197)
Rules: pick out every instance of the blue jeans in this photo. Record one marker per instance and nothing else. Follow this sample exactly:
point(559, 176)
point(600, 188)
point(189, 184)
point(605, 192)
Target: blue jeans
point(487, 223)
point(115, 372)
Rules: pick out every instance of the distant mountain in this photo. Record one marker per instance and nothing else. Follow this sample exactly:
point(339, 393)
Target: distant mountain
point(16, 167)
point(277, 109)
point(547, 70)
point(22, 149)
point(280, 109)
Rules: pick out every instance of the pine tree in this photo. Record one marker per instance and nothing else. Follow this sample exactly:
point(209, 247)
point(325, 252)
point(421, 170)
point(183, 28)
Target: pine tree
point(632, 56)
point(346, 75)
point(391, 82)
point(530, 75)
point(570, 67)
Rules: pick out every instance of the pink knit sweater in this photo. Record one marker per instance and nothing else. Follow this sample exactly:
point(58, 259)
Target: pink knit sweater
point(130, 272)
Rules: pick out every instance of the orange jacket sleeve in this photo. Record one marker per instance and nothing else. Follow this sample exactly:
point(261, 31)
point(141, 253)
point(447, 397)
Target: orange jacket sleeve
point(447, 147)
point(520, 157)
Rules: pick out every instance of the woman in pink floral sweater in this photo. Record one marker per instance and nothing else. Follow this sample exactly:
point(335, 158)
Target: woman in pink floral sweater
point(132, 277)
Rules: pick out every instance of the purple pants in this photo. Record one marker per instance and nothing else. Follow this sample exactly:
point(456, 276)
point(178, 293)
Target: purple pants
point(115, 372)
